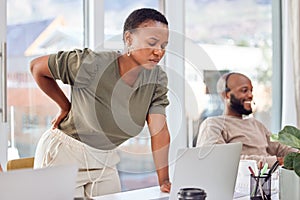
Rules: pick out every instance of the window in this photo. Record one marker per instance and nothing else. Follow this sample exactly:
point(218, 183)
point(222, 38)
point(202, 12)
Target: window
point(237, 36)
point(35, 28)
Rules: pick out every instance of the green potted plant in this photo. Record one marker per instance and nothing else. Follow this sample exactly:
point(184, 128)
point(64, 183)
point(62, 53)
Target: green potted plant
point(289, 178)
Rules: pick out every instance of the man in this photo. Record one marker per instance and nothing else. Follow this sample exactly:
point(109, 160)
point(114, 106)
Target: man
point(235, 125)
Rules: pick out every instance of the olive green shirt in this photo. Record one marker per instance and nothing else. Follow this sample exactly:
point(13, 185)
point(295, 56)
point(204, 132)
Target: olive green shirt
point(105, 111)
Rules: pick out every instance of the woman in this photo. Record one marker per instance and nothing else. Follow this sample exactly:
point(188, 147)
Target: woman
point(112, 95)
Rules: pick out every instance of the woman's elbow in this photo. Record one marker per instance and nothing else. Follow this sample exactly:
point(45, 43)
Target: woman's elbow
point(39, 65)
point(32, 65)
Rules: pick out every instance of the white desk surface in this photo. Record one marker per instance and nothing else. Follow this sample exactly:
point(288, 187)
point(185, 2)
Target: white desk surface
point(148, 194)
point(145, 193)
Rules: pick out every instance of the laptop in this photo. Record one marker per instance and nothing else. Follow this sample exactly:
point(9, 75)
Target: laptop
point(211, 168)
point(50, 183)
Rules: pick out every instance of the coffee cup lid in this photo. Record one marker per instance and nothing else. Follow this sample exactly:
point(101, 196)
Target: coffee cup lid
point(191, 192)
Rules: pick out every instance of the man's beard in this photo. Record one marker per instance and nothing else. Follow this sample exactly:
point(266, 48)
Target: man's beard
point(238, 107)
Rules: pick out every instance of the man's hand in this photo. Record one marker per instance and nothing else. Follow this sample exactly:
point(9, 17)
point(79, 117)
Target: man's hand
point(280, 160)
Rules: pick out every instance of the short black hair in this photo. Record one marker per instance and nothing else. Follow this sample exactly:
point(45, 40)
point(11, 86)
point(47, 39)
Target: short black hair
point(141, 15)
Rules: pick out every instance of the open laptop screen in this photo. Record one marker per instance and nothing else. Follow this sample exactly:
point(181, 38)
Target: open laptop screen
point(51, 183)
point(211, 168)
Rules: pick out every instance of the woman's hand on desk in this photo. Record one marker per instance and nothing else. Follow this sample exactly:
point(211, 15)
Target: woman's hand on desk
point(165, 187)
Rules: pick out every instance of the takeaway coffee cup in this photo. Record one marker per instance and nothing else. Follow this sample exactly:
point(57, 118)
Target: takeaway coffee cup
point(191, 194)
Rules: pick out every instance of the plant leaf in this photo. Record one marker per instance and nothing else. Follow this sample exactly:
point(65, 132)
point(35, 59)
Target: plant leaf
point(290, 136)
point(297, 164)
point(274, 137)
point(288, 161)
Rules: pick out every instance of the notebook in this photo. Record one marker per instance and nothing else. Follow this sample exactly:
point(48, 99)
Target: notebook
point(51, 183)
point(211, 168)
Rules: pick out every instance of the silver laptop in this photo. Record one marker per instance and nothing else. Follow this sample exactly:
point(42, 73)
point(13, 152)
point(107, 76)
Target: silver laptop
point(51, 183)
point(211, 168)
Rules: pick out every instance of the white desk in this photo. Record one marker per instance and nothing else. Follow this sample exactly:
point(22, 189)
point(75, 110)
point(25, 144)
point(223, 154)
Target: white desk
point(150, 193)
point(143, 194)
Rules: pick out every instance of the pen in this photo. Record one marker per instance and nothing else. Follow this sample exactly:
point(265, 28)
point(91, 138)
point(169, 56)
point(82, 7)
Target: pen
point(272, 170)
point(260, 167)
point(257, 180)
point(274, 167)
point(261, 190)
point(264, 169)
point(251, 171)
point(254, 191)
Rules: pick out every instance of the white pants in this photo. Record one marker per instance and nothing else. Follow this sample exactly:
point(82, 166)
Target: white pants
point(97, 173)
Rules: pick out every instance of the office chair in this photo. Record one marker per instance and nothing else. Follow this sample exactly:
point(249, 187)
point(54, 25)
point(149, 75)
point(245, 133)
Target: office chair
point(20, 163)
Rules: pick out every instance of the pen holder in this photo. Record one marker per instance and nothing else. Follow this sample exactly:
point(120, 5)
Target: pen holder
point(260, 187)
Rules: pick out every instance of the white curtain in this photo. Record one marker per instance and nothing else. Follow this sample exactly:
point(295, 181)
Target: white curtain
point(291, 63)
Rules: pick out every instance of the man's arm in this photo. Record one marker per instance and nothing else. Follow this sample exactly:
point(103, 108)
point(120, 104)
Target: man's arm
point(275, 150)
point(160, 142)
point(278, 149)
point(41, 74)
